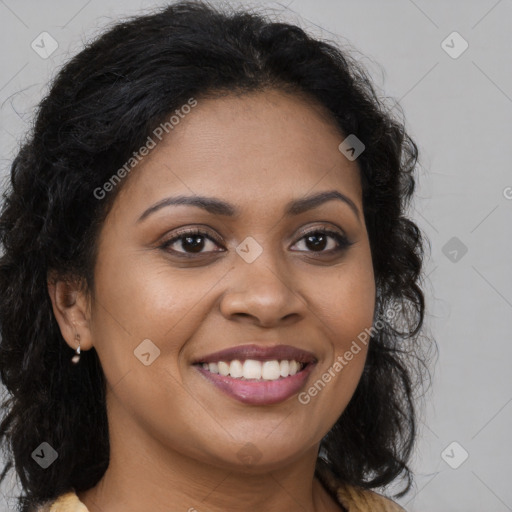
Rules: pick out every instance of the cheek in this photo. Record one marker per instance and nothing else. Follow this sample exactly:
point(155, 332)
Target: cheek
point(145, 297)
point(144, 309)
point(139, 300)
point(347, 309)
point(348, 300)
point(354, 311)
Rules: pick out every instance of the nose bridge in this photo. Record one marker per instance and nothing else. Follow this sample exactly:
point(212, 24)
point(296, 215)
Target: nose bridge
point(260, 285)
point(266, 272)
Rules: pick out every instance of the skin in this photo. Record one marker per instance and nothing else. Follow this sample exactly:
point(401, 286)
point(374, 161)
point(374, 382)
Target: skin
point(174, 437)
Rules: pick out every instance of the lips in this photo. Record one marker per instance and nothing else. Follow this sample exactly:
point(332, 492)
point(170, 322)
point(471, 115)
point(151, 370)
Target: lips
point(259, 353)
point(258, 393)
point(246, 380)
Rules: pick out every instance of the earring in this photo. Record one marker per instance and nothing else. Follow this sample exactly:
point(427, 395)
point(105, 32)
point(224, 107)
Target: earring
point(76, 357)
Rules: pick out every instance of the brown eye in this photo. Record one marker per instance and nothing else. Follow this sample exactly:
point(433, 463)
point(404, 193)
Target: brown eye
point(192, 241)
point(321, 240)
point(196, 242)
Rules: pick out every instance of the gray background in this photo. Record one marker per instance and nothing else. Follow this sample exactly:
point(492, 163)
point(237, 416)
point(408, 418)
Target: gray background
point(459, 111)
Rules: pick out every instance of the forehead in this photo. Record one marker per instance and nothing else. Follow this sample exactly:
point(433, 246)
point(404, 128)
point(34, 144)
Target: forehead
point(262, 147)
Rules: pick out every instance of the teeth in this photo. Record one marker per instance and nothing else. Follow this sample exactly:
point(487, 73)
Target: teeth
point(294, 367)
point(236, 369)
point(252, 369)
point(223, 368)
point(270, 370)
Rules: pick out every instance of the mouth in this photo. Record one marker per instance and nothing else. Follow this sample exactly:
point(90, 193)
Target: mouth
point(258, 375)
point(253, 370)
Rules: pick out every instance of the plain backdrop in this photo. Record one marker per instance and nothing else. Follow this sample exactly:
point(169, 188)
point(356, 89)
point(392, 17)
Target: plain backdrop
point(457, 103)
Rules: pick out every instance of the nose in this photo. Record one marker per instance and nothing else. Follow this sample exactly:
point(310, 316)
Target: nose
point(263, 292)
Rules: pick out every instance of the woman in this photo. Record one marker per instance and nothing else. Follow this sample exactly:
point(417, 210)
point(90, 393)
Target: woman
point(209, 287)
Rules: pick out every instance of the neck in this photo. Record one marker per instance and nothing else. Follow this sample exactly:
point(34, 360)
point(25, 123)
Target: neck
point(146, 475)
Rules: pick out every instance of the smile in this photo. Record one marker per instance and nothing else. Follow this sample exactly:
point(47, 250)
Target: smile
point(251, 369)
point(249, 388)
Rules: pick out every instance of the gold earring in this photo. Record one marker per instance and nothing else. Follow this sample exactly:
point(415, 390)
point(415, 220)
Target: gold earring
point(76, 357)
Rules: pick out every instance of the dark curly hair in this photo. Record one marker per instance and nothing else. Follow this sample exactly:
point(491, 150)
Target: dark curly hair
point(101, 107)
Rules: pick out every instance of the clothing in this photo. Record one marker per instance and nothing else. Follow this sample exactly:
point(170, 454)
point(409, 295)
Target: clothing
point(351, 498)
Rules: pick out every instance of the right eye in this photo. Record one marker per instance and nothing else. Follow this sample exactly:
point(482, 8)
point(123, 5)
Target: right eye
point(192, 241)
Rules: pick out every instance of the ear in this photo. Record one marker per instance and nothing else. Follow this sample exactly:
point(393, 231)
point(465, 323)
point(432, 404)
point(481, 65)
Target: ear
point(72, 309)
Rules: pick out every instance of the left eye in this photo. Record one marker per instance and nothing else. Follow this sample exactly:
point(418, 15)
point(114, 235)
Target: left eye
point(319, 239)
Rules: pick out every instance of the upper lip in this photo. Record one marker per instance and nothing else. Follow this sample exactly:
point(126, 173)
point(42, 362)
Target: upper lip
point(259, 353)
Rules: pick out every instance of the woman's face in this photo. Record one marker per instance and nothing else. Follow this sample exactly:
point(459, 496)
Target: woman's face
point(251, 277)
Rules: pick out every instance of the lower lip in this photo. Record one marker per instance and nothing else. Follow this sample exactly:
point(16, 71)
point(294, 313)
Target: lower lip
point(263, 392)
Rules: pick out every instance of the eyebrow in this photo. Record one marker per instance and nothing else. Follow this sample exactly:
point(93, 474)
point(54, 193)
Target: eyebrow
point(217, 206)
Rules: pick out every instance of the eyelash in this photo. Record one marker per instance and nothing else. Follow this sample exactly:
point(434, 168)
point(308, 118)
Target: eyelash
point(343, 242)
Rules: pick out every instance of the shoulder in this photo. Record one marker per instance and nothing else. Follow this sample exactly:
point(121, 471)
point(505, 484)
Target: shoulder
point(67, 502)
point(356, 499)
